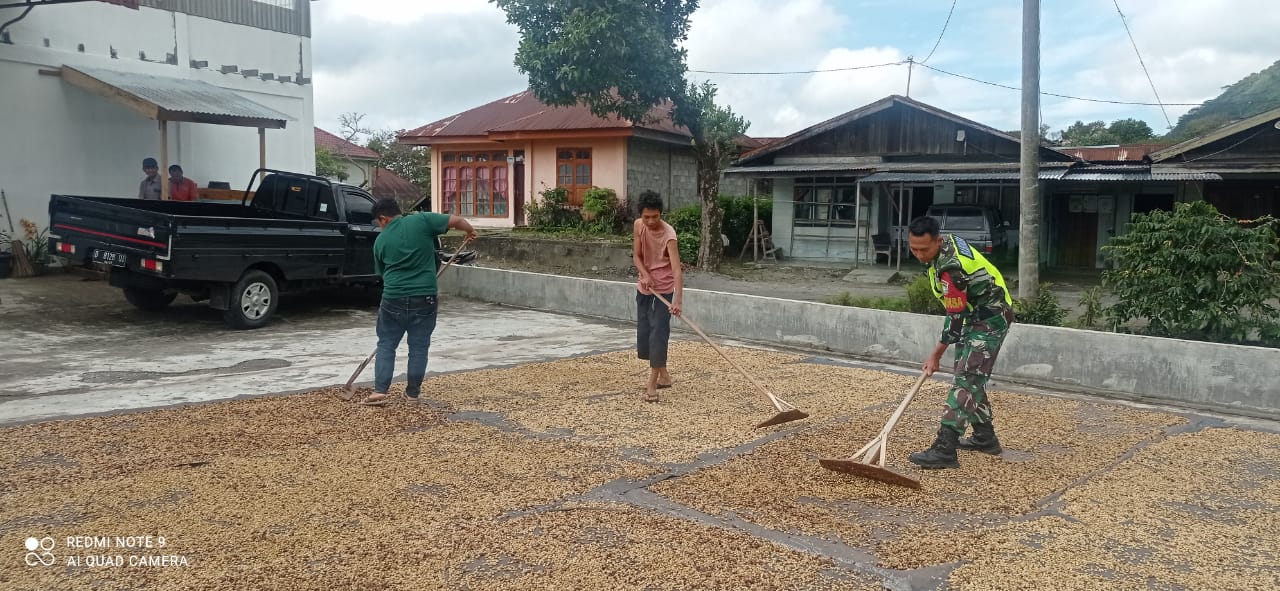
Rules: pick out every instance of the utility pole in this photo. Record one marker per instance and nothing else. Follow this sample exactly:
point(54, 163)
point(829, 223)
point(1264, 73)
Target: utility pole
point(910, 65)
point(1029, 210)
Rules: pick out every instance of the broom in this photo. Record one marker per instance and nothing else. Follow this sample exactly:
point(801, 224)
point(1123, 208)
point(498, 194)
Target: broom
point(22, 266)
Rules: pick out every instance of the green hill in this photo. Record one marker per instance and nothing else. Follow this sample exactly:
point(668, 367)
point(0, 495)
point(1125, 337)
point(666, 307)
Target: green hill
point(1255, 93)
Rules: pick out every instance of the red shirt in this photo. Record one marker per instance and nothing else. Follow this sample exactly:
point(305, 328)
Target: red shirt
point(653, 254)
point(183, 191)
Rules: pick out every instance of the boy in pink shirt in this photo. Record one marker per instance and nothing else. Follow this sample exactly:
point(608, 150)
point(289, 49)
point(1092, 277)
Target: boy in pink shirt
point(658, 261)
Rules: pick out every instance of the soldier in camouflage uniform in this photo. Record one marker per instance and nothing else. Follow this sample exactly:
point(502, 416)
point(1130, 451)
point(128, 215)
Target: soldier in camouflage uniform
point(979, 313)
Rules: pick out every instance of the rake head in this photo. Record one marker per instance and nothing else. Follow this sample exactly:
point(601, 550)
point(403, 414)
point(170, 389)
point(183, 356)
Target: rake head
point(784, 417)
point(872, 471)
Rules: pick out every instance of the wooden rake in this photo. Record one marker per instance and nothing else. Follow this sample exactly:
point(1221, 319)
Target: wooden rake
point(350, 387)
point(871, 465)
point(786, 411)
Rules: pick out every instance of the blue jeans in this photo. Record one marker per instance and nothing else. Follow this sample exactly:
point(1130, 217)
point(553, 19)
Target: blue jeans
point(413, 315)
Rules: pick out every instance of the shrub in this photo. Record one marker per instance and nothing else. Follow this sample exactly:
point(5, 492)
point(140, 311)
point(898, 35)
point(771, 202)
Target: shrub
point(686, 219)
point(1091, 301)
point(1194, 273)
point(601, 204)
point(1043, 309)
point(688, 243)
point(553, 211)
point(737, 218)
point(920, 298)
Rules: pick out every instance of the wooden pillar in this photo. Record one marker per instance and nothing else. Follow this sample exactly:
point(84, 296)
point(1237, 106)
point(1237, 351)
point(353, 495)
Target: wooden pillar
point(857, 226)
point(262, 152)
point(164, 160)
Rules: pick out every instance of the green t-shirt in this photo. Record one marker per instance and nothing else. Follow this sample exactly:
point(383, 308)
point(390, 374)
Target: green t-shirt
point(405, 254)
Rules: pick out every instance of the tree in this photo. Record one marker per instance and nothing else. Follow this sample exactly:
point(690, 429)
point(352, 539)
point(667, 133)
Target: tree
point(1087, 134)
point(715, 134)
point(623, 57)
point(617, 56)
point(411, 162)
point(328, 165)
point(1130, 131)
point(1098, 133)
point(349, 124)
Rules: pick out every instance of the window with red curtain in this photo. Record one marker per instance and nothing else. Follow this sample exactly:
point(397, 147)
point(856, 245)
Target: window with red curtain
point(450, 192)
point(466, 191)
point(475, 183)
point(482, 191)
point(500, 191)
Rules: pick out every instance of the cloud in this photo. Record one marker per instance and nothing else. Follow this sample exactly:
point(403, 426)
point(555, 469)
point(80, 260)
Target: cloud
point(405, 68)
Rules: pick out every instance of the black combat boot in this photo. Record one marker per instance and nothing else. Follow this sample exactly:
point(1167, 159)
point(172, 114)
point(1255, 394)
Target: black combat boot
point(942, 454)
point(983, 440)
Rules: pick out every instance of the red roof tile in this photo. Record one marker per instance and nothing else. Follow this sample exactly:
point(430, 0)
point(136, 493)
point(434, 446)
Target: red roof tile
point(343, 147)
point(389, 185)
point(524, 112)
point(1121, 153)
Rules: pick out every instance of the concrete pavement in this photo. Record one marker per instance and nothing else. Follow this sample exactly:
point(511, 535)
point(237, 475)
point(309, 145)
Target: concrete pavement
point(73, 347)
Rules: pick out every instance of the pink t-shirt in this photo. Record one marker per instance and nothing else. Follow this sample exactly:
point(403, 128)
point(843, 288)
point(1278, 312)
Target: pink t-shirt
point(654, 256)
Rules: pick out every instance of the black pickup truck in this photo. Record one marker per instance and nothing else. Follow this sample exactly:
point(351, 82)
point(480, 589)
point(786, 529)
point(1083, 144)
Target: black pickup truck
point(297, 232)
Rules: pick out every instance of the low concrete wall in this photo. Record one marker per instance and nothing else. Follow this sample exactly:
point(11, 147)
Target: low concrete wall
point(1228, 378)
point(566, 253)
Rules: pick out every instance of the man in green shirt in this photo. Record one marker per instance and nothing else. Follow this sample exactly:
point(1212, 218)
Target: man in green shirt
point(405, 256)
point(979, 313)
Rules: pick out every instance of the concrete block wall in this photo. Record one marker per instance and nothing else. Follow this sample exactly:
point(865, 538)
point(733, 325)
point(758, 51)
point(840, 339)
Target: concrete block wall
point(1226, 378)
point(666, 168)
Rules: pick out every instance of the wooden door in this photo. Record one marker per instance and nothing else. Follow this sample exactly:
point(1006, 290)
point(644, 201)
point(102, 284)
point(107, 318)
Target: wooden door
point(517, 188)
point(1077, 235)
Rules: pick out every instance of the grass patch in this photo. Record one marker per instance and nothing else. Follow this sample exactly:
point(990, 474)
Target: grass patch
point(873, 302)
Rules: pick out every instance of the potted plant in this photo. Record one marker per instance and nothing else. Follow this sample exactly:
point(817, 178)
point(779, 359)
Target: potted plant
point(36, 245)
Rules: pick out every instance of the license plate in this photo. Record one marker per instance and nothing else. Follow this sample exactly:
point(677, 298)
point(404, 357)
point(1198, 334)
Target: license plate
point(115, 259)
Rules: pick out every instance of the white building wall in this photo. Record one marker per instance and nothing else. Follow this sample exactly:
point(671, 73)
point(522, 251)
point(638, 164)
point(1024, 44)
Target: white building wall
point(61, 139)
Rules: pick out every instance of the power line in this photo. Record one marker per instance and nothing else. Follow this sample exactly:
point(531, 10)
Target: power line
point(1125, 22)
point(1065, 96)
point(898, 63)
point(944, 32)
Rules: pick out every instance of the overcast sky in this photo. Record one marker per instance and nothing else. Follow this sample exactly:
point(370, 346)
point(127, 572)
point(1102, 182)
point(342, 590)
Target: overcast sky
point(405, 63)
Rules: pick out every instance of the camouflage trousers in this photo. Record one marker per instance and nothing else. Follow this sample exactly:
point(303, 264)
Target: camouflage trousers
point(976, 354)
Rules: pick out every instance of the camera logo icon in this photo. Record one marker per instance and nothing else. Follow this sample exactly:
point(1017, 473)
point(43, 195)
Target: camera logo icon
point(40, 551)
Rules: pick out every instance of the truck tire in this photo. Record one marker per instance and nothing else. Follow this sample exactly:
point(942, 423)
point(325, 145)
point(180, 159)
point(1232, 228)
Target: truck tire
point(253, 301)
point(151, 300)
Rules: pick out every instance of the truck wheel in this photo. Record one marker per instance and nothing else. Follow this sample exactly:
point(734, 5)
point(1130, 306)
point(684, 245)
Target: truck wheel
point(151, 300)
point(253, 301)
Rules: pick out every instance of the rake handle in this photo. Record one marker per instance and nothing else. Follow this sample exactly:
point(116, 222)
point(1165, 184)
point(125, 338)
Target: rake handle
point(455, 255)
point(876, 450)
point(897, 414)
point(776, 402)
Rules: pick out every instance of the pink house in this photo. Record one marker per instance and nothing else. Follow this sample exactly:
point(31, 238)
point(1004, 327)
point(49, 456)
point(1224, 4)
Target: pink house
point(487, 162)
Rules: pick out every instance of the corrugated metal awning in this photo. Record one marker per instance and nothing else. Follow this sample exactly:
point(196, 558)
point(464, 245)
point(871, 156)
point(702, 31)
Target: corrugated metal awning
point(1117, 176)
point(166, 98)
point(964, 170)
point(798, 168)
point(933, 177)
